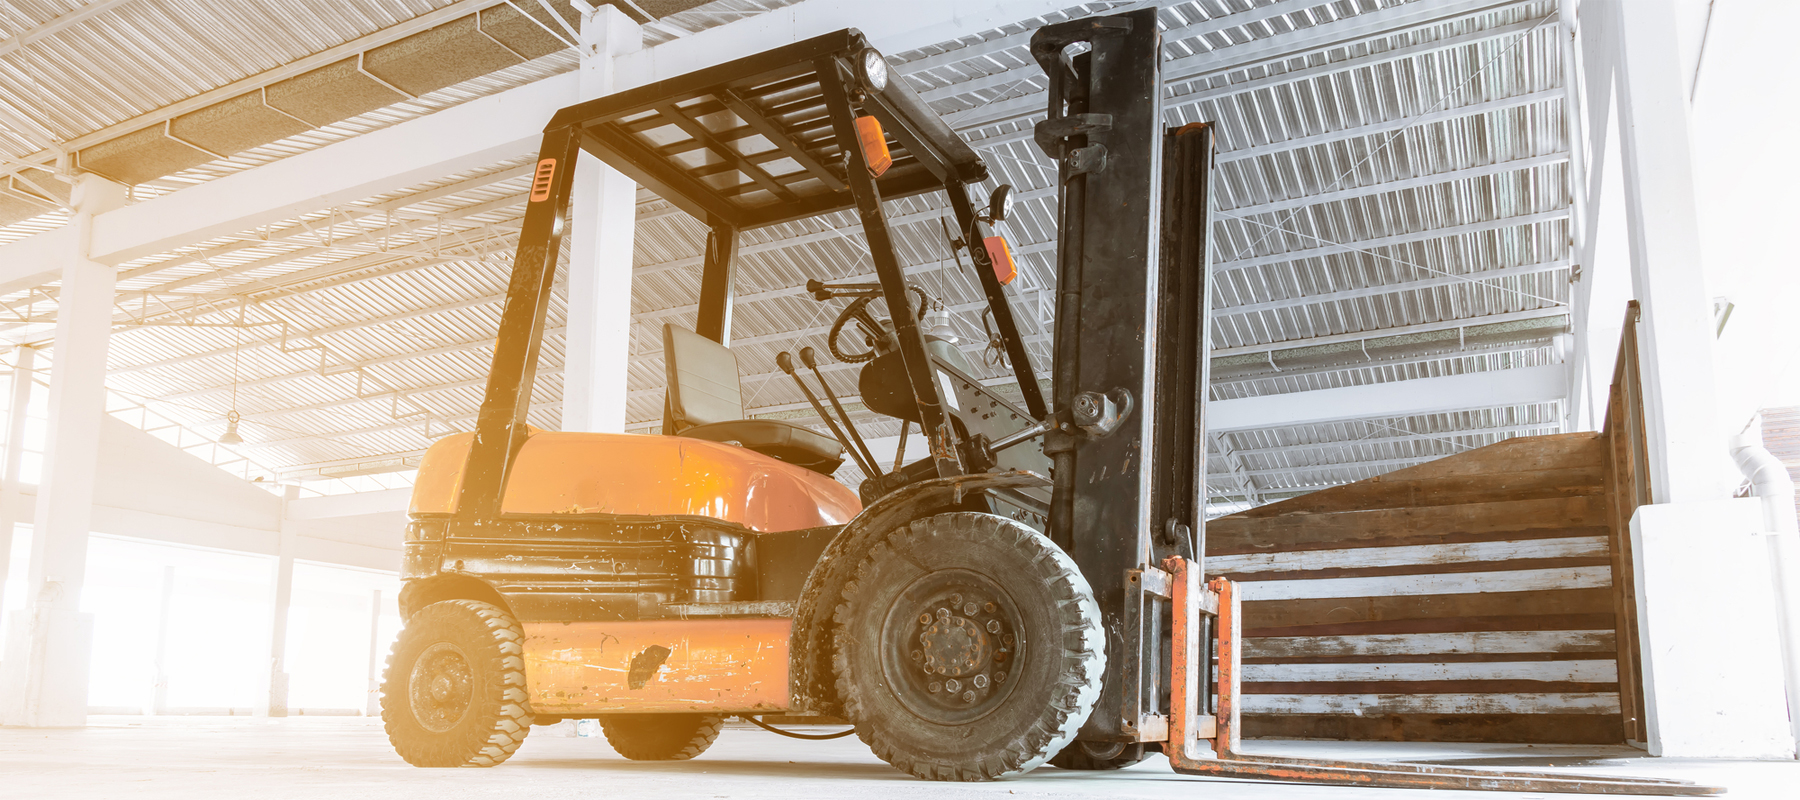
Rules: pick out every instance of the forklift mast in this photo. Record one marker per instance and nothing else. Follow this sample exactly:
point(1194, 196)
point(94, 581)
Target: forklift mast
point(1130, 364)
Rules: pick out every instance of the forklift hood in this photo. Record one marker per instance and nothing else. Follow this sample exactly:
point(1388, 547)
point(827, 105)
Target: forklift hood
point(629, 474)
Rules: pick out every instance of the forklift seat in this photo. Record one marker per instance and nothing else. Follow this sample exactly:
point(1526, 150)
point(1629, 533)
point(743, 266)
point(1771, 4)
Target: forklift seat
point(705, 401)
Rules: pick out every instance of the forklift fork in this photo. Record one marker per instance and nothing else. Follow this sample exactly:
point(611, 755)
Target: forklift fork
point(1190, 725)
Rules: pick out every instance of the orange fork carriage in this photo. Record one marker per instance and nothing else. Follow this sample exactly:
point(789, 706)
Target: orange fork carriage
point(1192, 731)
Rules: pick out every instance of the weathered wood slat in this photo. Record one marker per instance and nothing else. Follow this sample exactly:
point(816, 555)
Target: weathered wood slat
point(1430, 687)
point(1566, 642)
point(1377, 704)
point(1470, 522)
point(1364, 557)
point(1549, 622)
point(1522, 728)
point(1404, 570)
point(1386, 492)
point(1583, 671)
point(1464, 583)
point(1277, 614)
point(1497, 468)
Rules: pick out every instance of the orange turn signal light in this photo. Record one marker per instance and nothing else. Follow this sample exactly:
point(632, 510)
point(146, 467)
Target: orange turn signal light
point(874, 145)
point(1000, 255)
point(541, 180)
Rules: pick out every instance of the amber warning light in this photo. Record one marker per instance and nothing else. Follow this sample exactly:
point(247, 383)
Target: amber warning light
point(540, 183)
point(874, 145)
point(1001, 256)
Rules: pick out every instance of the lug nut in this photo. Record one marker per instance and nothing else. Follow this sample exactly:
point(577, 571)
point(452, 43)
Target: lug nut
point(969, 610)
point(956, 599)
point(968, 697)
point(1008, 639)
point(953, 684)
point(1000, 655)
point(917, 655)
point(943, 613)
point(924, 619)
point(999, 677)
point(981, 681)
point(936, 687)
point(993, 626)
point(991, 608)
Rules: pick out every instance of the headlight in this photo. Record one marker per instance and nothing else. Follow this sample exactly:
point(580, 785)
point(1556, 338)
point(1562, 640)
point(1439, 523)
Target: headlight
point(875, 69)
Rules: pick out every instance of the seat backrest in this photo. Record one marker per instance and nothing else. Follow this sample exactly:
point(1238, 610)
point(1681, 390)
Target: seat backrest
point(703, 380)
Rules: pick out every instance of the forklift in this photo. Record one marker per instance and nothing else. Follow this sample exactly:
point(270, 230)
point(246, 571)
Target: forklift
point(1028, 592)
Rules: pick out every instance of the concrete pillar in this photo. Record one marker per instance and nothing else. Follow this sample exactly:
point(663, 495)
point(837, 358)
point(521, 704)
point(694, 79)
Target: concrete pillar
point(372, 706)
point(276, 702)
point(11, 497)
point(603, 222)
point(159, 679)
point(1688, 457)
point(47, 649)
point(1713, 685)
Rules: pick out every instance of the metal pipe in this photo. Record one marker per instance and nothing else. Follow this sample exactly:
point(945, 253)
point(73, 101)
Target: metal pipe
point(1018, 436)
point(807, 357)
point(785, 360)
point(1770, 482)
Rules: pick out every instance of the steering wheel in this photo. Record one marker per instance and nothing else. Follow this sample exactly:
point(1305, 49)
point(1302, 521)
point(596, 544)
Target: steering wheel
point(873, 334)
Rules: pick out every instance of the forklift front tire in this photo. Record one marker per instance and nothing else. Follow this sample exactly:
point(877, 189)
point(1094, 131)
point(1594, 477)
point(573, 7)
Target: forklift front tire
point(660, 737)
point(454, 692)
point(969, 648)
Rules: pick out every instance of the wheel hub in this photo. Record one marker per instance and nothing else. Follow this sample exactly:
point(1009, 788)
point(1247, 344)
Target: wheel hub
point(951, 639)
point(442, 687)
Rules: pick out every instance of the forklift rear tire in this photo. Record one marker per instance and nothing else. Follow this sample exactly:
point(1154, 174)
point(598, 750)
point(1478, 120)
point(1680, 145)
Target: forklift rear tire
point(969, 648)
point(454, 692)
point(1078, 757)
point(660, 737)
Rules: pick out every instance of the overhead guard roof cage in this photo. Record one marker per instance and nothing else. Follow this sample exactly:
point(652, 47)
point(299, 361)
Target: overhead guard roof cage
point(748, 143)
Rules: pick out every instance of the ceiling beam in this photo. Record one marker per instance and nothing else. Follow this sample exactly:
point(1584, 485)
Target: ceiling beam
point(1510, 387)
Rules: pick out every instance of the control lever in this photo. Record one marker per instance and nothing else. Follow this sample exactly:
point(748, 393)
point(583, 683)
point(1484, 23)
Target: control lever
point(806, 356)
point(785, 361)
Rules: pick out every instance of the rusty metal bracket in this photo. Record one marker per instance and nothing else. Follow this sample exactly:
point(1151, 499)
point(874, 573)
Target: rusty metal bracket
point(1190, 725)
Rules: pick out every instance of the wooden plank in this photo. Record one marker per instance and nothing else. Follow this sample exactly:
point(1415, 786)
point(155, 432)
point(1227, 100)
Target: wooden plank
point(1469, 522)
point(1408, 570)
point(1544, 622)
point(1580, 671)
point(1463, 583)
point(1386, 492)
point(1578, 456)
point(1486, 642)
point(1412, 555)
point(1366, 704)
point(1521, 728)
point(1261, 615)
point(1519, 454)
point(1498, 687)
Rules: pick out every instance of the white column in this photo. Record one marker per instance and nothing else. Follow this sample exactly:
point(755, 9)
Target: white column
point(47, 662)
point(158, 702)
point(276, 700)
point(10, 496)
point(1688, 458)
point(372, 704)
point(603, 222)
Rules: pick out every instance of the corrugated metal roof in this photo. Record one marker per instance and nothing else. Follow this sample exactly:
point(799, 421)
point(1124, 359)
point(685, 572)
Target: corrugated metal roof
point(1410, 175)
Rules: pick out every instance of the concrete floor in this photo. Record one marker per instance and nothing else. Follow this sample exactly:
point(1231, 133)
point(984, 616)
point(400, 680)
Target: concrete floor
point(347, 758)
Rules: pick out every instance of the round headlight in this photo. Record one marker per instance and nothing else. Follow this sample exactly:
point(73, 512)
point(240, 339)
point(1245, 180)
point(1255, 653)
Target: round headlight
point(875, 69)
point(1000, 203)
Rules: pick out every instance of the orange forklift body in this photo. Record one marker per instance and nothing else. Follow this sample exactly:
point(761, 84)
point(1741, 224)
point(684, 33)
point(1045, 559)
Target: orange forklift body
point(658, 666)
point(628, 474)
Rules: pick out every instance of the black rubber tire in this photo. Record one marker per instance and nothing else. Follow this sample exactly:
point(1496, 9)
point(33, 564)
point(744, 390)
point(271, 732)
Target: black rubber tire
point(496, 716)
point(660, 737)
point(1077, 758)
point(1056, 669)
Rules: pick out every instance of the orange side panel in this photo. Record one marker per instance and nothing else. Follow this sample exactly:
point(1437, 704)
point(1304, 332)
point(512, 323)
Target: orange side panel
point(610, 473)
point(658, 666)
